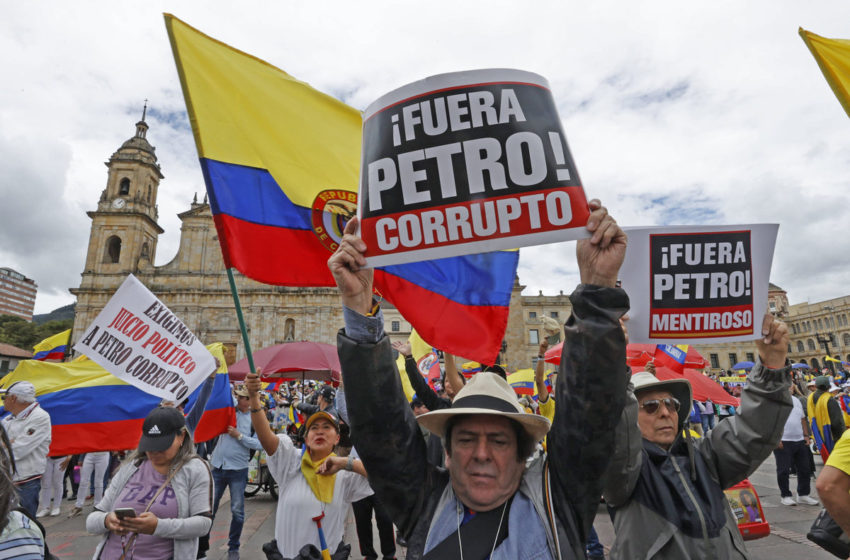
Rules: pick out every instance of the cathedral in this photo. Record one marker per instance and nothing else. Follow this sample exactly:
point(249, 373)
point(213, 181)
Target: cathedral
point(194, 285)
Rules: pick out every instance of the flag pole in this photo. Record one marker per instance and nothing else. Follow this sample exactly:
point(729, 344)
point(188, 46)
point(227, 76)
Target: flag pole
point(241, 319)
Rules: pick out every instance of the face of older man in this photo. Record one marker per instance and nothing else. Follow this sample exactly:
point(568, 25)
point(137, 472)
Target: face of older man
point(483, 462)
point(658, 422)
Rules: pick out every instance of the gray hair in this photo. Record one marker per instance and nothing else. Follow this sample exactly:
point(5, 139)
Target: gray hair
point(185, 453)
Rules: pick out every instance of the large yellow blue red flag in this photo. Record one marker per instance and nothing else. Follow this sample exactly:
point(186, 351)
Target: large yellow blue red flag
point(92, 410)
point(52, 347)
point(833, 57)
point(281, 165)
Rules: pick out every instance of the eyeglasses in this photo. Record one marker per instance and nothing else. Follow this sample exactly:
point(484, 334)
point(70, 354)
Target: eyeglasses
point(651, 406)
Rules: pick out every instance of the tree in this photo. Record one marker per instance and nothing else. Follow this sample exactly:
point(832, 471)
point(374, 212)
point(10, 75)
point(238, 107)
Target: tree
point(23, 334)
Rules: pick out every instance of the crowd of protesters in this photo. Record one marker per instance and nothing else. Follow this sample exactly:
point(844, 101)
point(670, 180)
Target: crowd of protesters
point(465, 469)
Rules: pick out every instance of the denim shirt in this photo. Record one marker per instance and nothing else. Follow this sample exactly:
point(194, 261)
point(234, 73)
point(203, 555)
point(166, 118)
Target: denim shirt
point(526, 536)
point(231, 453)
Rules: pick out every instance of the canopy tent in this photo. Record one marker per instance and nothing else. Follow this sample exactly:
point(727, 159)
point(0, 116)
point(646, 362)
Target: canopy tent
point(703, 387)
point(293, 361)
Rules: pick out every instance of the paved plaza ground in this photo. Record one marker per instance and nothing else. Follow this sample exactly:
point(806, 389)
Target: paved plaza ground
point(68, 539)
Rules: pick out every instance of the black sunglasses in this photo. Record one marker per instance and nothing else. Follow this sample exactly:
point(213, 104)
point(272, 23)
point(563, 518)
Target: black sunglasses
point(651, 406)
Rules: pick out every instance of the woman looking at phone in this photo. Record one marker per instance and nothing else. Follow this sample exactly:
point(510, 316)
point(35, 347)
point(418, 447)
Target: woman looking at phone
point(160, 501)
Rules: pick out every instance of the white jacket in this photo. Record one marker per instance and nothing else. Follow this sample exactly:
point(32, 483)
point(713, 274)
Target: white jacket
point(30, 434)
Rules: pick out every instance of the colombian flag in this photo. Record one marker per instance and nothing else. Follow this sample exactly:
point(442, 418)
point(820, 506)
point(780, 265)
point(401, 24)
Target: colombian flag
point(833, 58)
point(53, 347)
point(671, 356)
point(92, 410)
point(281, 164)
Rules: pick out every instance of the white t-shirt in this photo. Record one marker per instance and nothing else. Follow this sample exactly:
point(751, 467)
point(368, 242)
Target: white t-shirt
point(297, 505)
point(793, 427)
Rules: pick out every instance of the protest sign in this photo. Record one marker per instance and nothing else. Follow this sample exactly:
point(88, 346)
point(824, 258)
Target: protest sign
point(139, 340)
point(700, 283)
point(463, 163)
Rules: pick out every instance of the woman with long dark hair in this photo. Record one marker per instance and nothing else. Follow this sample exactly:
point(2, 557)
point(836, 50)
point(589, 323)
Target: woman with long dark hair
point(160, 501)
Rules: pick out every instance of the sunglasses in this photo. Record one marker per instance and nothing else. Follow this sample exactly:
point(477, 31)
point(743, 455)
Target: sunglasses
point(651, 406)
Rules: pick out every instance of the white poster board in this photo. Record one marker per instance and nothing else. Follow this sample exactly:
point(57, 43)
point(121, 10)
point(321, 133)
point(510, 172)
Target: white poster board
point(139, 340)
point(697, 284)
point(464, 163)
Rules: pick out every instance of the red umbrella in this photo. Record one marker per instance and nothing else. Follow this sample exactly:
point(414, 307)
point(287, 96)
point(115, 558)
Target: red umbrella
point(703, 387)
point(636, 355)
point(292, 360)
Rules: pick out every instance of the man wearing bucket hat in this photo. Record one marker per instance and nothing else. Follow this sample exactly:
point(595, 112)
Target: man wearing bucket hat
point(28, 427)
point(666, 489)
point(488, 502)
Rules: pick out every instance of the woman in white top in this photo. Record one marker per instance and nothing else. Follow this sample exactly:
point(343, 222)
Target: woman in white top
point(313, 483)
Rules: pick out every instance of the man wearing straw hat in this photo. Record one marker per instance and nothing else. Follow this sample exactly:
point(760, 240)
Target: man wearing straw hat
point(667, 489)
point(488, 502)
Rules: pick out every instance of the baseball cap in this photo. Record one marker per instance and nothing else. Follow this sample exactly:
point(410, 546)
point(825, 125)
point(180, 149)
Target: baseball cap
point(321, 414)
point(327, 392)
point(24, 390)
point(159, 429)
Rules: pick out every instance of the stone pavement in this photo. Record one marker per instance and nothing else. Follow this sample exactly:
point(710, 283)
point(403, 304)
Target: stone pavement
point(69, 540)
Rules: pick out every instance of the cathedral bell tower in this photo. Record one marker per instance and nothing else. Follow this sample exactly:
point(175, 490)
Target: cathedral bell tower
point(124, 230)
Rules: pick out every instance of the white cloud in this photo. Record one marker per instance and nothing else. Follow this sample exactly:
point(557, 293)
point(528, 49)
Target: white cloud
point(675, 113)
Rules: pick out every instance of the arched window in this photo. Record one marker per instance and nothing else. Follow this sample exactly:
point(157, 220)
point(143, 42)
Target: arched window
point(289, 330)
point(789, 348)
point(811, 344)
point(815, 363)
point(793, 328)
point(113, 250)
point(145, 251)
point(846, 339)
point(124, 188)
point(804, 362)
point(800, 346)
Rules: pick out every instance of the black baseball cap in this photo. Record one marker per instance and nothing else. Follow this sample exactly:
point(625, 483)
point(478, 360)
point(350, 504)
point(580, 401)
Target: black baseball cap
point(160, 427)
point(327, 392)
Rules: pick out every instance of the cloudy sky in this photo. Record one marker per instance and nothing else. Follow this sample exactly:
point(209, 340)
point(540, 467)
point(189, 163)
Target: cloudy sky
point(675, 112)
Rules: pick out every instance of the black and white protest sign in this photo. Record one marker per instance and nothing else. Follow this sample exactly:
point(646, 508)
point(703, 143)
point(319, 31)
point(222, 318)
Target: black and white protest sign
point(698, 283)
point(464, 163)
point(139, 340)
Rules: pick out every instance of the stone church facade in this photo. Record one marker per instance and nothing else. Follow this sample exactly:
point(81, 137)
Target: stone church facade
point(194, 285)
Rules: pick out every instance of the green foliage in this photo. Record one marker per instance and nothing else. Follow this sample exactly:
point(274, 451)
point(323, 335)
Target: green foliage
point(23, 334)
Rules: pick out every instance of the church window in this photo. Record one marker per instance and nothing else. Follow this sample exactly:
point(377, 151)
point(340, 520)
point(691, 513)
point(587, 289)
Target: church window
point(811, 344)
point(149, 193)
point(113, 249)
point(396, 326)
point(124, 187)
point(289, 330)
point(846, 340)
point(145, 250)
point(800, 346)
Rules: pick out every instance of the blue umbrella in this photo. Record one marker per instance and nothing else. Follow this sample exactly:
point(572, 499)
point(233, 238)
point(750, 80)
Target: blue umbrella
point(743, 365)
point(799, 366)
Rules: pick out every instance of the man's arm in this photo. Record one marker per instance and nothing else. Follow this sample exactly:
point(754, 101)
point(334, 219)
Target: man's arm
point(739, 444)
point(622, 473)
point(453, 378)
point(383, 428)
point(834, 489)
point(425, 393)
point(836, 418)
point(591, 388)
point(542, 391)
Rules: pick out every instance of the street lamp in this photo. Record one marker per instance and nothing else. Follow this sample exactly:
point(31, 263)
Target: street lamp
point(825, 339)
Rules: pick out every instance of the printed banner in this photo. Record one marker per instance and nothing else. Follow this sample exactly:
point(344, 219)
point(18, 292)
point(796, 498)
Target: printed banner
point(464, 163)
point(698, 283)
point(139, 340)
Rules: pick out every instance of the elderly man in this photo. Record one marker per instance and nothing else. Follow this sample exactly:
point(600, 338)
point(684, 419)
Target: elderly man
point(28, 428)
point(488, 503)
point(667, 490)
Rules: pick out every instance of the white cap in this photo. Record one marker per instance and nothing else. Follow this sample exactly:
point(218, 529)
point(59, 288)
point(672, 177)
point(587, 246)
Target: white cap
point(24, 390)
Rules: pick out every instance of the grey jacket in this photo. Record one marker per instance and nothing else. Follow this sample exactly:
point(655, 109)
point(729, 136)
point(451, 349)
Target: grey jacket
point(193, 487)
point(667, 506)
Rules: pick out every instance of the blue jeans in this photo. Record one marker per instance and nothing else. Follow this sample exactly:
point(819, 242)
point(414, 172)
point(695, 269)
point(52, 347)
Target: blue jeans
point(594, 547)
point(707, 423)
point(28, 493)
point(236, 480)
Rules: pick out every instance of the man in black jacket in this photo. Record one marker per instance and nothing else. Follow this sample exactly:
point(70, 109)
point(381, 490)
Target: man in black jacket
point(498, 506)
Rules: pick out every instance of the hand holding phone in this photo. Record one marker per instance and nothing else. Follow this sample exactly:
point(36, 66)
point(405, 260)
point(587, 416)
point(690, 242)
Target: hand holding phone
point(124, 513)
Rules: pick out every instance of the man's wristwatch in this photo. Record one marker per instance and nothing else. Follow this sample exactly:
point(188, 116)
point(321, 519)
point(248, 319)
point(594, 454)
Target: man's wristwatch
point(350, 465)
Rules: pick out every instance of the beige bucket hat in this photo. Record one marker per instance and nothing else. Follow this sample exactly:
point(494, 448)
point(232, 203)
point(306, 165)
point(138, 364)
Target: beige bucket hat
point(486, 393)
point(679, 388)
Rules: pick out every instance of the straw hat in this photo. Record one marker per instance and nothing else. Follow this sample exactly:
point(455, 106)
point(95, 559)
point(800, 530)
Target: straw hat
point(486, 393)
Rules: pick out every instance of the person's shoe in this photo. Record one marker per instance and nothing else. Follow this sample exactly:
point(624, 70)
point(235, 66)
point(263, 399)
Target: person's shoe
point(232, 555)
point(42, 512)
point(55, 511)
point(788, 501)
point(808, 500)
point(75, 512)
point(72, 498)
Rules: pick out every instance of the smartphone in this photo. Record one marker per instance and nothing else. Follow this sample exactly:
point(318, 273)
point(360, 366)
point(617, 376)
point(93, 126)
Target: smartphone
point(124, 513)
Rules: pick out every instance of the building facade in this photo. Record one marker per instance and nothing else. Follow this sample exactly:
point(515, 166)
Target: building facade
point(10, 356)
point(17, 294)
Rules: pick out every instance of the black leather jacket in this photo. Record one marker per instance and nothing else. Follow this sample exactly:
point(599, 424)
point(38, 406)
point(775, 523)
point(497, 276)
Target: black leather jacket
point(590, 393)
